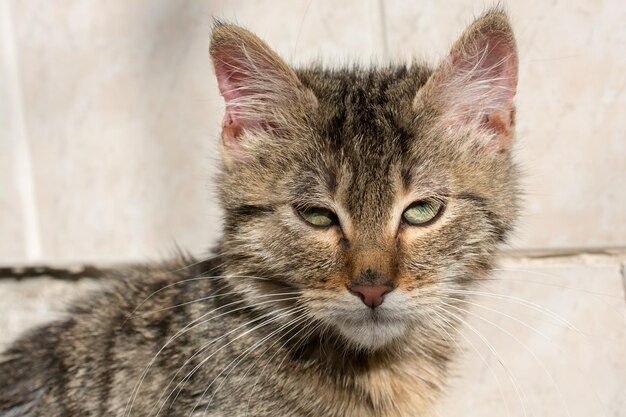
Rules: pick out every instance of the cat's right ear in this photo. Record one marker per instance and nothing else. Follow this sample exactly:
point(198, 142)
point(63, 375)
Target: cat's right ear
point(262, 94)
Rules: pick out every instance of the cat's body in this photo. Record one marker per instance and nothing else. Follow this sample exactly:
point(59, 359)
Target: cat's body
point(360, 205)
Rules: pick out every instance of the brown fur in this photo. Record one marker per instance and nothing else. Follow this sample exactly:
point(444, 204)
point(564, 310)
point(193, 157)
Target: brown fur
point(267, 326)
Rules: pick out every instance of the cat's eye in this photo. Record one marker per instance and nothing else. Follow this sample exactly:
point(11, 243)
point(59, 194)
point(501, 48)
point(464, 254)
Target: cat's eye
point(423, 212)
point(318, 216)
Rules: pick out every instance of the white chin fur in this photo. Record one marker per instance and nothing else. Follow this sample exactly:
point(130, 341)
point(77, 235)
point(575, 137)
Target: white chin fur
point(363, 328)
point(369, 334)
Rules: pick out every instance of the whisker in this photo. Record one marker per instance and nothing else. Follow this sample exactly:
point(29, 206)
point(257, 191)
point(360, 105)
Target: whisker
point(206, 346)
point(558, 390)
point(548, 284)
point(524, 302)
point(203, 348)
point(534, 330)
point(198, 262)
point(616, 307)
point(482, 357)
point(278, 350)
point(196, 322)
point(243, 355)
point(197, 300)
point(190, 374)
point(196, 278)
point(489, 346)
point(280, 363)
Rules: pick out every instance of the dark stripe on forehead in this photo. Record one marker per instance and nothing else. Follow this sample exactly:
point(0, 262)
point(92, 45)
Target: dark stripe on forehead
point(246, 211)
point(372, 190)
point(316, 181)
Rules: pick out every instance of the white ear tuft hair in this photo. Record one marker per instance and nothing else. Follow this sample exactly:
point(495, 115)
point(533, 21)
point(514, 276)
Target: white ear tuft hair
point(260, 90)
point(475, 85)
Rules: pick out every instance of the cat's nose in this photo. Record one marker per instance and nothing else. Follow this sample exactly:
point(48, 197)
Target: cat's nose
point(371, 295)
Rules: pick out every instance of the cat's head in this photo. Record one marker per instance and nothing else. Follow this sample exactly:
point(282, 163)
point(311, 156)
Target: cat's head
point(377, 195)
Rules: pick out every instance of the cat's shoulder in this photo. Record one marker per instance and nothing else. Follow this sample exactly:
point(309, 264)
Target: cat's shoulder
point(130, 307)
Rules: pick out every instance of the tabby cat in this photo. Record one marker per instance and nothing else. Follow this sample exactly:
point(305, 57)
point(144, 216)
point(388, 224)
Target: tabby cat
point(359, 205)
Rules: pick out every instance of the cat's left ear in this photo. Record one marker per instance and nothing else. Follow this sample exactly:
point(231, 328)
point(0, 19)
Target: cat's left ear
point(475, 85)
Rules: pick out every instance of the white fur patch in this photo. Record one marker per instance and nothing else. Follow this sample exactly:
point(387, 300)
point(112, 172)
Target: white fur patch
point(368, 328)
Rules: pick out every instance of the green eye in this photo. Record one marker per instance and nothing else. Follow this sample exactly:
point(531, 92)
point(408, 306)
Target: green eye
point(318, 216)
point(422, 212)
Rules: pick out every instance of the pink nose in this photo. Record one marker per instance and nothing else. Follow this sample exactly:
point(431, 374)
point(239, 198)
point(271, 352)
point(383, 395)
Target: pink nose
point(371, 295)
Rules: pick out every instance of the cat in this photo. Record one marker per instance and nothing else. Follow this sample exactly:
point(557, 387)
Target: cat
point(360, 205)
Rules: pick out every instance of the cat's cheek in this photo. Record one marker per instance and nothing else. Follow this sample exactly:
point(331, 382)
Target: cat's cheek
point(328, 240)
point(410, 281)
point(417, 268)
point(333, 284)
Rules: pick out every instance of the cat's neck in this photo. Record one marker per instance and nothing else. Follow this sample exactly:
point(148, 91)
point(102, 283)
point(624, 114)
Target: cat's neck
point(398, 380)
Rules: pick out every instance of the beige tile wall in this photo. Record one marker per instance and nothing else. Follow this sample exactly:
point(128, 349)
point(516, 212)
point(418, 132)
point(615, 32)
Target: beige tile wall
point(110, 113)
point(13, 244)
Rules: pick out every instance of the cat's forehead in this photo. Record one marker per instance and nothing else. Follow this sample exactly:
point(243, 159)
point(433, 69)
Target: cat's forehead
point(364, 107)
point(365, 114)
point(364, 128)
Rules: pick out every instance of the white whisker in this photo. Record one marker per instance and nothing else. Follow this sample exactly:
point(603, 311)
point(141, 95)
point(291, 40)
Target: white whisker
point(196, 278)
point(235, 362)
point(196, 322)
point(190, 374)
point(508, 371)
point(482, 357)
point(521, 301)
point(534, 355)
point(313, 329)
point(534, 330)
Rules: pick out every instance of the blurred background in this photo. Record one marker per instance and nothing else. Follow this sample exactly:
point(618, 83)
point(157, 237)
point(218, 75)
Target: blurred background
point(109, 125)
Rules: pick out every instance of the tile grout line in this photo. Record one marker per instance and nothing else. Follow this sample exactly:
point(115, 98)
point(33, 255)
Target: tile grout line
point(610, 255)
point(23, 157)
point(71, 270)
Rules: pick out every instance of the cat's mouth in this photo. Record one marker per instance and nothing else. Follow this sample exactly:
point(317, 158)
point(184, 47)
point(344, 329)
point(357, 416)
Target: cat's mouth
point(370, 328)
point(377, 317)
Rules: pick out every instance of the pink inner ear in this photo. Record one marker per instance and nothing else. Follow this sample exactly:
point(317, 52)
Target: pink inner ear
point(223, 83)
point(230, 86)
point(257, 86)
point(480, 83)
point(233, 86)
